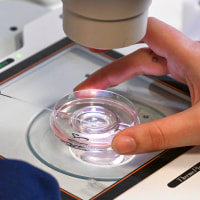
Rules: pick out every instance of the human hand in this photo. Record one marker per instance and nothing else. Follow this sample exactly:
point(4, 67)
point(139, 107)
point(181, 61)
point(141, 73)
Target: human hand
point(169, 52)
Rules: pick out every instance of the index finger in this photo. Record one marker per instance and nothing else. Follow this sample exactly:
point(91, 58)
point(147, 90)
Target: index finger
point(164, 40)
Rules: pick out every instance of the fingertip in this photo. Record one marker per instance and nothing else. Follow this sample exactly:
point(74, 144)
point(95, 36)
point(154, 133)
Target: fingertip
point(77, 88)
point(98, 50)
point(85, 85)
point(124, 145)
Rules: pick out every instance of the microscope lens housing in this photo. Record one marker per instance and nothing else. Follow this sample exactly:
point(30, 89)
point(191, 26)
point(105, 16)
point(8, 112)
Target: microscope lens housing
point(105, 24)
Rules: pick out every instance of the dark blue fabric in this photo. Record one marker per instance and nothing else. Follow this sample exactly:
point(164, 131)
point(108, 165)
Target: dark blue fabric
point(21, 181)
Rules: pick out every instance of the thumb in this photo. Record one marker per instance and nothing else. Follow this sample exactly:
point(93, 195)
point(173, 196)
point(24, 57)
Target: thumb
point(181, 129)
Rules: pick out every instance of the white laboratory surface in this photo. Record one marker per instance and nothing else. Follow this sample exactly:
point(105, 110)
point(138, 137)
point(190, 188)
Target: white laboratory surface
point(39, 65)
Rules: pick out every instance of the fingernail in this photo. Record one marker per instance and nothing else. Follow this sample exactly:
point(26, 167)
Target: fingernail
point(124, 144)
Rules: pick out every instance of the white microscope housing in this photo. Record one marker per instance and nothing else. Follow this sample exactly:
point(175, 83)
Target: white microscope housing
point(105, 24)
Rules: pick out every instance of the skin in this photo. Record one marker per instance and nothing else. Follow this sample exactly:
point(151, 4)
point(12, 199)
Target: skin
point(169, 52)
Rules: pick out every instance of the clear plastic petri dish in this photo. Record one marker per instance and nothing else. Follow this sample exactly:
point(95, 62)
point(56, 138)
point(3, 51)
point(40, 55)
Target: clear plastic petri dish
point(87, 121)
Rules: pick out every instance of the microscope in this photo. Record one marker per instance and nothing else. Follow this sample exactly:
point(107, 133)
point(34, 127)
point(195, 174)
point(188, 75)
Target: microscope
point(105, 24)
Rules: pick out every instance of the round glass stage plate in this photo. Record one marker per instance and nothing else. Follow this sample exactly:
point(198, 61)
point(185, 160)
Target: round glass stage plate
point(57, 155)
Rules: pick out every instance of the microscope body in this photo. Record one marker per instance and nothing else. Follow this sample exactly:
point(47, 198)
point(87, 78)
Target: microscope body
point(105, 24)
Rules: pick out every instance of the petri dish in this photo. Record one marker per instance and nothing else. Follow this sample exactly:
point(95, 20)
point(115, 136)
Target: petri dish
point(87, 121)
point(52, 150)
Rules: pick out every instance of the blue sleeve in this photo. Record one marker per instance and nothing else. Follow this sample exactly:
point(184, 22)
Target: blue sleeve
point(21, 181)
